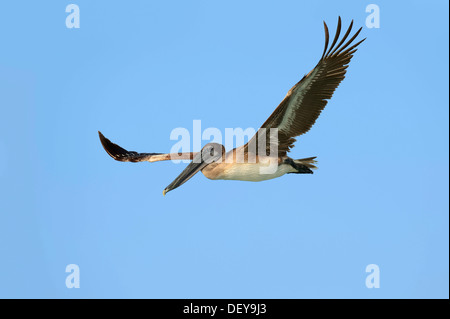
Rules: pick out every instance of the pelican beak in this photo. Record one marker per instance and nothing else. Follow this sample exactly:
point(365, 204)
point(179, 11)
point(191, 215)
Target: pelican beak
point(195, 166)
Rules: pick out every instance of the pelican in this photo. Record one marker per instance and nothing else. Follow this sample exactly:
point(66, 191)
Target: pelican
point(294, 116)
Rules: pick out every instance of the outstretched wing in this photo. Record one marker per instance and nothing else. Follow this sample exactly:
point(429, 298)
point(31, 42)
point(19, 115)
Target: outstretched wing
point(122, 155)
point(304, 102)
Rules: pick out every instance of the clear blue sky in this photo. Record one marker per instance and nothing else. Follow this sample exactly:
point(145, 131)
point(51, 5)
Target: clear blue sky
point(136, 70)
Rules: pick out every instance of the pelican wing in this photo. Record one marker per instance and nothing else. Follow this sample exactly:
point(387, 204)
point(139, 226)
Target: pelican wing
point(122, 155)
point(304, 102)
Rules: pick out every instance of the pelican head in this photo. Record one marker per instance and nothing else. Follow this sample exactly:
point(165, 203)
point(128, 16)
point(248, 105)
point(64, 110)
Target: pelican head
point(210, 153)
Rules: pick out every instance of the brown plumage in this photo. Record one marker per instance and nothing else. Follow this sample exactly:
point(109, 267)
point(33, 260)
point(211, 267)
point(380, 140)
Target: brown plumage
point(304, 102)
point(295, 116)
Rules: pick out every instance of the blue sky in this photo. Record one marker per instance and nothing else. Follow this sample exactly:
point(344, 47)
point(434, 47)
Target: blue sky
point(137, 70)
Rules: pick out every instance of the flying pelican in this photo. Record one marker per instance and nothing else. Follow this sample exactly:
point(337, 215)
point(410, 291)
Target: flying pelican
point(295, 116)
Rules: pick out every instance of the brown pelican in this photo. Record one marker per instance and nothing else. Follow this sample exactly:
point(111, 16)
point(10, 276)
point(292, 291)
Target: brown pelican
point(295, 115)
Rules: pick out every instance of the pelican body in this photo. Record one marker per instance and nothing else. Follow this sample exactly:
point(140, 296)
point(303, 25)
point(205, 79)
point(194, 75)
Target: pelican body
point(230, 169)
point(294, 116)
